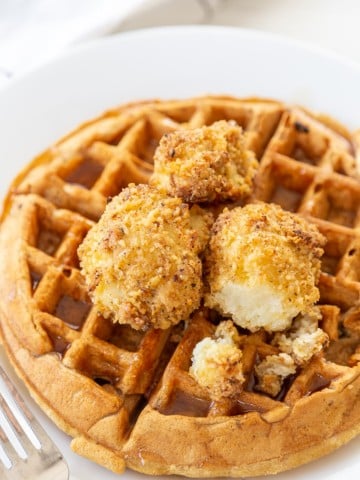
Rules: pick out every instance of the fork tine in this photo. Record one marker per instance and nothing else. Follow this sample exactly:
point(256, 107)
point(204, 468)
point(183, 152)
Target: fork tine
point(15, 394)
point(42, 462)
point(8, 449)
point(24, 441)
point(33, 424)
point(39, 433)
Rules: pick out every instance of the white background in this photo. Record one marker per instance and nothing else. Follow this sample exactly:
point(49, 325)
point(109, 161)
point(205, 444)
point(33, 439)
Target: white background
point(33, 31)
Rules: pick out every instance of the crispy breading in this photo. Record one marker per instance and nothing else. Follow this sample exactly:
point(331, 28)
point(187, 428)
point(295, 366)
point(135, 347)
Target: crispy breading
point(141, 260)
point(216, 362)
point(205, 164)
point(298, 345)
point(272, 371)
point(303, 339)
point(263, 265)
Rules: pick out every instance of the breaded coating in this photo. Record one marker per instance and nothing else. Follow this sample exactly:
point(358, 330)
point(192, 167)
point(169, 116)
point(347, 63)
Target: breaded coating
point(216, 362)
point(205, 164)
point(141, 261)
point(272, 371)
point(303, 339)
point(262, 266)
point(298, 345)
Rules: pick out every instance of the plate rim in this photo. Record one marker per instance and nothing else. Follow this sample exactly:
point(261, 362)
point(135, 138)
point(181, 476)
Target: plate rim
point(249, 33)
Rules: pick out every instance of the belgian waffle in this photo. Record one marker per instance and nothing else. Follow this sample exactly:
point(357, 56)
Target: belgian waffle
point(126, 396)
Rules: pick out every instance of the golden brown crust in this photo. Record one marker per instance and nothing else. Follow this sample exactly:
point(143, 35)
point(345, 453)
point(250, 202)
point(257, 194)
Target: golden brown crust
point(297, 345)
point(261, 249)
point(141, 260)
point(292, 434)
point(217, 362)
point(205, 164)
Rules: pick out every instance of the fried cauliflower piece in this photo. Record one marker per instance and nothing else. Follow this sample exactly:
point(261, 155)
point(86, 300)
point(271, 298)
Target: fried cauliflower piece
point(205, 164)
point(262, 266)
point(304, 339)
point(272, 371)
point(216, 362)
point(298, 345)
point(140, 261)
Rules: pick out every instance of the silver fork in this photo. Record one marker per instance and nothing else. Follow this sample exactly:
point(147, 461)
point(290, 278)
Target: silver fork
point(26, 451)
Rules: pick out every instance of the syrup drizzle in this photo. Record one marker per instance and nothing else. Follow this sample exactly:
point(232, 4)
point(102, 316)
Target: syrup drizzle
point(181, 403)
point(316, 383)
point(73, 312)
point(35, 280)
point(86, 173)
point(59, 343)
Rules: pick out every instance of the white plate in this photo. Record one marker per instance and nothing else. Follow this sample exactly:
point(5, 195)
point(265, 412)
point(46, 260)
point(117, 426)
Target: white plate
point(168, 63)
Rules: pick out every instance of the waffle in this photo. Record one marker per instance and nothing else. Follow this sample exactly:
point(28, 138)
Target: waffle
point(125, 396)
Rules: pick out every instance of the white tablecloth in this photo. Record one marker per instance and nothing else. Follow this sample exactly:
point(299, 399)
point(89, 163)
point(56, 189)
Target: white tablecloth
point(32, 31)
